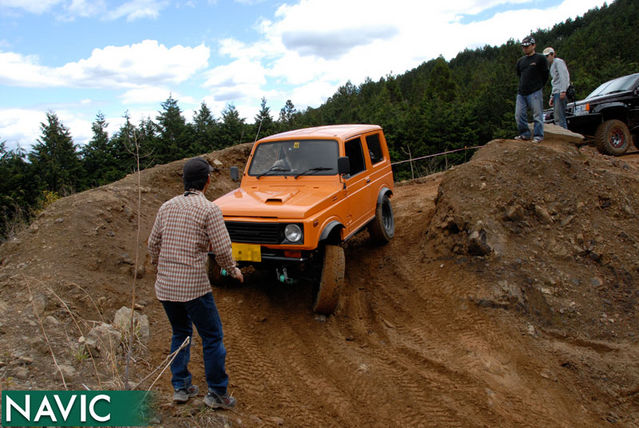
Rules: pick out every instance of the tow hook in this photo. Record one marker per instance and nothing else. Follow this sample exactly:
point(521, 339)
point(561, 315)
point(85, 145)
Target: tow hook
point(283, 276)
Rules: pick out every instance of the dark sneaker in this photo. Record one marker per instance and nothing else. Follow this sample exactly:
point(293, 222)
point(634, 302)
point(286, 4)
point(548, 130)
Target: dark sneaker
point(216, 401)
point(183, 395)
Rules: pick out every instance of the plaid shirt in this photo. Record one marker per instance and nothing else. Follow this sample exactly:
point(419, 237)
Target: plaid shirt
point(184, 228)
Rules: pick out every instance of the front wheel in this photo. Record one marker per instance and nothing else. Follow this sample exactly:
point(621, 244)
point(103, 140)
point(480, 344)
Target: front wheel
point(382, 228)
point(331, 280)
point(612, 137)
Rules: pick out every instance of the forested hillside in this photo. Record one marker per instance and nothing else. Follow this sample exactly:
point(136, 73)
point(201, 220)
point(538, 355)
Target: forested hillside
point(437, 106)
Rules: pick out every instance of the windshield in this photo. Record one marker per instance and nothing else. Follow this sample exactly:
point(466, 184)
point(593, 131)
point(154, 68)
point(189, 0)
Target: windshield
point(295, 157)
point(620, 84)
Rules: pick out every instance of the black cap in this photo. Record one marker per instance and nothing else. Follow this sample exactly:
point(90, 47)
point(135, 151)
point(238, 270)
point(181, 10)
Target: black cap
point(195, 169)
point(528, 40)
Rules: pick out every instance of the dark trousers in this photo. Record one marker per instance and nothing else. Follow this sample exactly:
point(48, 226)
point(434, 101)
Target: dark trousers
point(203, 313)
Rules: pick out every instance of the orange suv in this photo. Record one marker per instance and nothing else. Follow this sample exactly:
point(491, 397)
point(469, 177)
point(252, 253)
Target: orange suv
point(303, 194)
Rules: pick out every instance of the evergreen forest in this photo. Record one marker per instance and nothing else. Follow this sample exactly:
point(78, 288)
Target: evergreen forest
point(438, 106)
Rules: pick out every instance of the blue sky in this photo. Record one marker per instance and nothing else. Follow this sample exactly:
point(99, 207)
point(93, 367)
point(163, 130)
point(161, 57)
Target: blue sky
point(81, 57)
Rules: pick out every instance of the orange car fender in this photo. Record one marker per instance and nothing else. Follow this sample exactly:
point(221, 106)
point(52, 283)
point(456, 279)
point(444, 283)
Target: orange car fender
point(331, 232)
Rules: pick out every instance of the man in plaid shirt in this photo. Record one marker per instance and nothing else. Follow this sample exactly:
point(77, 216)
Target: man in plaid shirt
point(184, 229)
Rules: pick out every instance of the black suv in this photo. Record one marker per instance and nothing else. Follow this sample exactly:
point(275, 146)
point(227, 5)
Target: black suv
point(609, 115)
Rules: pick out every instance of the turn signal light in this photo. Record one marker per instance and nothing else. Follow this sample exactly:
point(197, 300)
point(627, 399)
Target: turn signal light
point(293, 254)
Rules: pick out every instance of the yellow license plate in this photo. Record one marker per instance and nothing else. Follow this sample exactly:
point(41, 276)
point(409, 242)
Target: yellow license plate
point(247, 252)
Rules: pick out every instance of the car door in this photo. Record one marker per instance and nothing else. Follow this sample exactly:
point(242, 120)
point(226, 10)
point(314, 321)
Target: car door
point(358, 190)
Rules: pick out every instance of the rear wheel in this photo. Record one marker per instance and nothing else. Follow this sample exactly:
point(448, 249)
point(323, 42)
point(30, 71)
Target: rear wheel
point(331, 281)
point(612, 137)
point(382, 228)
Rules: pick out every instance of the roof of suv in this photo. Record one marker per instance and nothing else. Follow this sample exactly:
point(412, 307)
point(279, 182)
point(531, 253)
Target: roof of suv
point(329, 131)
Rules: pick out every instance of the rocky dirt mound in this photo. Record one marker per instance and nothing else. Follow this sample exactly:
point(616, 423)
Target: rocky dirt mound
point(554, 228)
point(486, 309)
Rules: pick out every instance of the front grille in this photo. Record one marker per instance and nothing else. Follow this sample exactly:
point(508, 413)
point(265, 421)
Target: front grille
point(256, 233)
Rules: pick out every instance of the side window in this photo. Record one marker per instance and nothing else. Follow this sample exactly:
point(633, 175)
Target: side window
point(355, 155)
point(374, 148)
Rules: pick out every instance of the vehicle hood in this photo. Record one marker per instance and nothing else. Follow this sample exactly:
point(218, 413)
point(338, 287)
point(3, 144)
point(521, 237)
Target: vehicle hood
point(278, 201)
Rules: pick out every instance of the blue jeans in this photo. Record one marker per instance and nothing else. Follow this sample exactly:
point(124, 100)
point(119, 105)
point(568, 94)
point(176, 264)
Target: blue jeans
point(559, 107)
point(535, 103)
point(203, 313)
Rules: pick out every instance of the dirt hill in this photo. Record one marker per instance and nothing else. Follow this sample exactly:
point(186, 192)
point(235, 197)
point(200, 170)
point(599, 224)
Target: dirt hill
point(507, 298)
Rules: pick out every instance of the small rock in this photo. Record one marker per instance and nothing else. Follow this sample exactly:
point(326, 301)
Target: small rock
point(21, 372)
point(542, 214)
point(217, 163)
point(59, 220)
point(477, 245)
point(276, 421)
point(122, 321)
point(51, 320)
point(514, 213)
point(320, 318)
point(103, 338)
point(68, 371)
point(38, 303)
point(596, 282)
point(531, 330)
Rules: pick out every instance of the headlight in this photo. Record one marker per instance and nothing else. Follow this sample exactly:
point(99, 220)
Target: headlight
point(293, 232)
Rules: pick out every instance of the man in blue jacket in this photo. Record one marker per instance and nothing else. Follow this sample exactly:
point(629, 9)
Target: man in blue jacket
point(532, 70)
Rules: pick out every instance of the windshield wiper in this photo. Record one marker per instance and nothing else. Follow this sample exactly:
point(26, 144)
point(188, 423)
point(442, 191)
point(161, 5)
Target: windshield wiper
point(275, 168)
point(315, 169)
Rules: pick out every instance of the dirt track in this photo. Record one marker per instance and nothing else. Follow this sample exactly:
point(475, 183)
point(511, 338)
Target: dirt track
point(412, 343)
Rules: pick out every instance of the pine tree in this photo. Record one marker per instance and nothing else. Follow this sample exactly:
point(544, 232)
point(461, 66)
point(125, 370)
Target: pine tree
point(173, 142)
point(56, 159)
point(264, 124)
point(232, 127)
point(97, 156)
point(205, 130)
point(288, 114)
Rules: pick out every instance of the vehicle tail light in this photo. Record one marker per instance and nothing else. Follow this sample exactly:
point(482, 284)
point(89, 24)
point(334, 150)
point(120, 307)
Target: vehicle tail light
point(588, 107)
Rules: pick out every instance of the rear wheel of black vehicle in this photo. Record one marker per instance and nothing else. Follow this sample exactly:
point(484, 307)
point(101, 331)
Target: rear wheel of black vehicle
point(612, 137)
point(382, 228)
point(331, 281)
point(215, 274)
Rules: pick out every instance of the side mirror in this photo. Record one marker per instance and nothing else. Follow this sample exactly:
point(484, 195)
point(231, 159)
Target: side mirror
point(636, 91)
point(235, 173)
point(343, 165)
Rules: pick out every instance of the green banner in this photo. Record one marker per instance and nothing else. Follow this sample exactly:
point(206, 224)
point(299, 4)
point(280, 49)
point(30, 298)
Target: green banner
point(75, 408)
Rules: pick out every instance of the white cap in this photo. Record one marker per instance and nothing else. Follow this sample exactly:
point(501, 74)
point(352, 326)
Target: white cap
point(548, 51)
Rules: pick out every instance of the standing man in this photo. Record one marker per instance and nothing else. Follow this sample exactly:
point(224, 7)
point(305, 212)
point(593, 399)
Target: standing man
point(184, 229)
point(560, 82)
point(532, 70)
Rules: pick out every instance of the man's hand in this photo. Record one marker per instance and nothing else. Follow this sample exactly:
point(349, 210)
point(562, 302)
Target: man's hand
point(237, 274)
point(562, 95)
point(551, 101)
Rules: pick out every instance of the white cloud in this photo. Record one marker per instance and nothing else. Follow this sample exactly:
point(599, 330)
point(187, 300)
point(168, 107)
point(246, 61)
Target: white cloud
point(309, 46)
point(137, 9)
point(153, 95)
point(129, 66)
point(31, 6)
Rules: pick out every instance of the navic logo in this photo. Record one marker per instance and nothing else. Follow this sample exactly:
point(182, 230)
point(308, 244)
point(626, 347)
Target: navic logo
point(74, 408)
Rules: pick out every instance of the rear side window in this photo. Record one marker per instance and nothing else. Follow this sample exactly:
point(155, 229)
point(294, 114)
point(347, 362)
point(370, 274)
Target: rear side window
point(374, 148)
point(355, 155)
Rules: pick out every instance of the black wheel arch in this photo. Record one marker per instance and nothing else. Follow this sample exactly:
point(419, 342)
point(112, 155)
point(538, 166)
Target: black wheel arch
point(384, 191)
point(332, 233)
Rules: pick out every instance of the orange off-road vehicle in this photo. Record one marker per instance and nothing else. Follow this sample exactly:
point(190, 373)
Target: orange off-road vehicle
point(303, 194)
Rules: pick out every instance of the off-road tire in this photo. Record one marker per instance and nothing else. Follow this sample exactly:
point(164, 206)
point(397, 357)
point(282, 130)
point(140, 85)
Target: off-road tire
point(612, 137)
point(215, 274)
point(382, 228)
point(331, 281)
